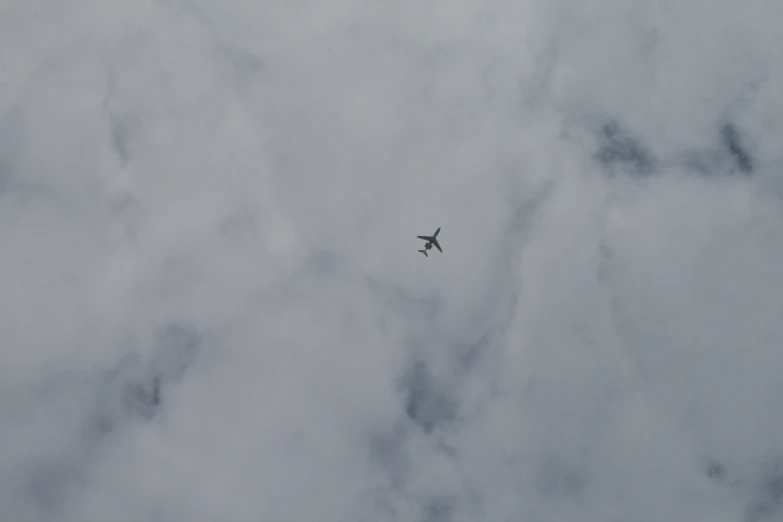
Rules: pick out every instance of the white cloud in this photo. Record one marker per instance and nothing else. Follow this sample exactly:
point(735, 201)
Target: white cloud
point(213, 307)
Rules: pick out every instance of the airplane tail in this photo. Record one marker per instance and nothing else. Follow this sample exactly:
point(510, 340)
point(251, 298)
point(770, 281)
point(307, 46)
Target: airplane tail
point(424, 252)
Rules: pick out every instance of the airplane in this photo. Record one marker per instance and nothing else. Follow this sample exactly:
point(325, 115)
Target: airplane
point(431, 240)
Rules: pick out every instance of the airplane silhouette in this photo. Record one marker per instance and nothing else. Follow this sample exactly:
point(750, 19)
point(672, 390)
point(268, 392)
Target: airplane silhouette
point(431, 240)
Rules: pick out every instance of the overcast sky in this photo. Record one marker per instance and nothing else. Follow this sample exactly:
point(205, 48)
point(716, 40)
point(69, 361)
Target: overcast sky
point(212, 307)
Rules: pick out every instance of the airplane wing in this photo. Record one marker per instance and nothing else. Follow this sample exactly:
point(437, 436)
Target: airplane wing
point(433, 239)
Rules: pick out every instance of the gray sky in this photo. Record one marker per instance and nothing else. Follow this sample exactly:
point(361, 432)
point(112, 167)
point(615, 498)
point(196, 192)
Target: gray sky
point(213, 308)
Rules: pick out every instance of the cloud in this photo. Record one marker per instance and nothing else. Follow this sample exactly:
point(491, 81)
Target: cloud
point(212, 304)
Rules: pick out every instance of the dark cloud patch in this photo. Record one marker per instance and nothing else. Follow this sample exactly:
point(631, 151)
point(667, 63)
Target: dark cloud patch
point(135, 389)
point(466, 355)
point(121, 134)
point(131, 390)
point(426, 403)
point(126, 391)
point(439, 509)
point(98, 405)
point(732, 142)
point(178, 345)
point(729, 156)
point(619, 150)
point(387, 451)
point(768, 505)
point(716, 471)
point(50, 482)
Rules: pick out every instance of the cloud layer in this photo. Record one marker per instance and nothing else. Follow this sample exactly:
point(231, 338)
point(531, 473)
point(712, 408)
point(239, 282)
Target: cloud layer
point(212, 304)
